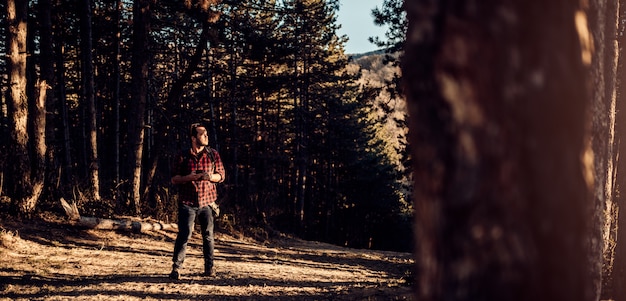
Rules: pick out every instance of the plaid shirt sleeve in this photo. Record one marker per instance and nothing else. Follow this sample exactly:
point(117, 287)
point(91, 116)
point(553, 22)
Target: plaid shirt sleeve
point(219, 166)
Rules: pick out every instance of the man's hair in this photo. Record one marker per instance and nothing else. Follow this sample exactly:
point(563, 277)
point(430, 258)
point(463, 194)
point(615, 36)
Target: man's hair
point(193, 129)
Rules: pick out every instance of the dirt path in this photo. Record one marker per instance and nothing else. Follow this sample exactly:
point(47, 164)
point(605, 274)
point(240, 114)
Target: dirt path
point(50, 260)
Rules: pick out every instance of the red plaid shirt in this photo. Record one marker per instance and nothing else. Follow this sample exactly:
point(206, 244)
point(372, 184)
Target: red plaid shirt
point(203, 192)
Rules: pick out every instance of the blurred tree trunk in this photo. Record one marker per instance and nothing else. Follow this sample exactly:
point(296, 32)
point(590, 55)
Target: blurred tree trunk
point(503, 175)
point(603, 24)
point(140, 59)
point(615, 288)
point(89, 98)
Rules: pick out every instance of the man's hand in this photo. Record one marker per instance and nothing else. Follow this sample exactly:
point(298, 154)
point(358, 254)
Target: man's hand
point(178, 179)
point(193, 176)
point(197, 176)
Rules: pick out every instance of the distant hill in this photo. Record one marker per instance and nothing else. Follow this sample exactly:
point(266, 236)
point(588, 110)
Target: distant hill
point(377, 72)
point(359, 55)
point(375, 68)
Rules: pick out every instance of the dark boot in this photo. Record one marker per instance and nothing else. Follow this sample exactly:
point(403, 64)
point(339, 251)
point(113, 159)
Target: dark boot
point(174, 274)
point(208, 270)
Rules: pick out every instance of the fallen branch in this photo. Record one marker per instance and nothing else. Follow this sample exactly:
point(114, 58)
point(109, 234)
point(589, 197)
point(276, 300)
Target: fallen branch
point(111, 224)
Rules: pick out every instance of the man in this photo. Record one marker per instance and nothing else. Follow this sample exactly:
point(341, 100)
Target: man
point(196, 172)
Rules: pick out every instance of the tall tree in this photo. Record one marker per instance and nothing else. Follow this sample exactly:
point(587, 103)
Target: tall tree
point(47, 77)
point(22, 188)
point(61, 91)
point(116, 90)
point(310, 23)
point(89, 97)
point(139, 70)
point(503, 173)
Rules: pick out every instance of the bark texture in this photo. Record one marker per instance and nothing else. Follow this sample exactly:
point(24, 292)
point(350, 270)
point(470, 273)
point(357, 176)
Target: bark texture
point(27, 152)
point(503, 174)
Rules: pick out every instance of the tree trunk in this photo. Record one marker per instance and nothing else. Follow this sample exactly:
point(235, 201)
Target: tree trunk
point(603, 23)
point(38, 120)
point(176, 93)
point(19, 171)
point(116, 95)
point(27, 170)
point(90, 101)
point(141, 27)
point(47, 76)
point(67, 171)
point(616, 290)
point(497, 101)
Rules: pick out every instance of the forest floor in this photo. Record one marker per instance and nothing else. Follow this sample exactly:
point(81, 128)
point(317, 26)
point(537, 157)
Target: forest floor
point(49, 259)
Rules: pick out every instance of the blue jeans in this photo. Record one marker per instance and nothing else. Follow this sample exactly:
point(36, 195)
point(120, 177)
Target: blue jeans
point(186, 220)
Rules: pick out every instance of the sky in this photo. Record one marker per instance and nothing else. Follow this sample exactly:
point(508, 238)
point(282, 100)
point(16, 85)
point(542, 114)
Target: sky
point(355, 17)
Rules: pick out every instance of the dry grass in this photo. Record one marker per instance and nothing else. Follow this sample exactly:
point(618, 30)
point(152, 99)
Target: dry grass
point(49, 260)
point(8, 239)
